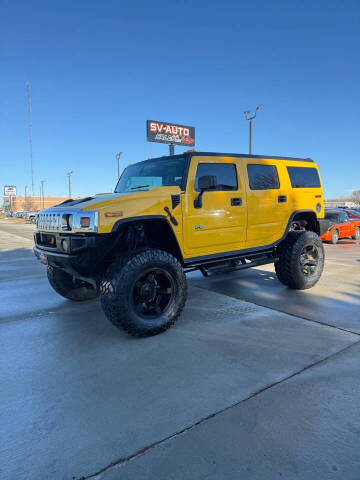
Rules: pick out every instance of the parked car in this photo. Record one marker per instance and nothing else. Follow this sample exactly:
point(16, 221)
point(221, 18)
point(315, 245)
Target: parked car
point(353, 213)
point(340, 226)
point(31, 216)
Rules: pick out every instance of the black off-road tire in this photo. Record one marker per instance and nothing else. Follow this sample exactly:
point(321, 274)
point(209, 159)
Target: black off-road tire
point(334, 237)
point(294, 269)
point(356, 235)
point(118, 292)
point(64, 285)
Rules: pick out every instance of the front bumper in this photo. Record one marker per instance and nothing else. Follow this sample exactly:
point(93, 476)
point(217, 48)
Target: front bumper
point(76, 254)
point(44, 255)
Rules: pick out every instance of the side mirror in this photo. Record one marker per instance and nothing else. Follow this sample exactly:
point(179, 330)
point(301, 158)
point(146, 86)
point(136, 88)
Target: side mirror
point(207, 182)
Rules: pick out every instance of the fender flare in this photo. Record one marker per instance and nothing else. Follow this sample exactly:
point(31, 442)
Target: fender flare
point(125, 221)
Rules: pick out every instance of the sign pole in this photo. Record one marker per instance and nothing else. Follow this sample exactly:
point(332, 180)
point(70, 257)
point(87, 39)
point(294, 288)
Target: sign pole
point(171, 149)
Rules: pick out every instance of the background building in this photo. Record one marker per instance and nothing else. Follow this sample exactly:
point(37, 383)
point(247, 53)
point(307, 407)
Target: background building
point(21, 203)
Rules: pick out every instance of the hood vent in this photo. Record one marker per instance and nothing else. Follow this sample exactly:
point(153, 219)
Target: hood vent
point(175, 200)
point(71, 202)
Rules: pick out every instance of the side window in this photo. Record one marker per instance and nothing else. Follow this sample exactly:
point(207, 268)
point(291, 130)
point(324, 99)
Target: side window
point(225, 174)
point(304, 177)
point(263, 177)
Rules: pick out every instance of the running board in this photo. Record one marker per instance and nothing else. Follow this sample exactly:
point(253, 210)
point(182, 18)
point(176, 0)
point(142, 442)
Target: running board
point(208, 270)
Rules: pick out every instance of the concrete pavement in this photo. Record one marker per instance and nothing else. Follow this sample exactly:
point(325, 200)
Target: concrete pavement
point(234, 390)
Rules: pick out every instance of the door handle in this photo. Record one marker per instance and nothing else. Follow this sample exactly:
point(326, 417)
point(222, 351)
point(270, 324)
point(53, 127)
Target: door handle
point(236, 202)
point(282, 198)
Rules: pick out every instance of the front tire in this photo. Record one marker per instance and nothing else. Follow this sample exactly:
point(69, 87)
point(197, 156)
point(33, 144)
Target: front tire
point(356, 235)
point(66, 286)
point(144, 294)
point(334, 237)
point(301, 260)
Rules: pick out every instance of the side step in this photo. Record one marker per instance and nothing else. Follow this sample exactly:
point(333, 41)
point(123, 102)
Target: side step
point(233, 265)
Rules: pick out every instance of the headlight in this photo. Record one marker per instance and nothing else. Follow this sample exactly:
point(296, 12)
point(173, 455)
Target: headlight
point(85, 221)
point(67, 221)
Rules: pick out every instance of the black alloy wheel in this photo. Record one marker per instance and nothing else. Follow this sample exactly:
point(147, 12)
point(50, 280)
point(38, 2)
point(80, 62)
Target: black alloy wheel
point(309, 259)
point(153, 293)
point(144, 293)
point(300, 260)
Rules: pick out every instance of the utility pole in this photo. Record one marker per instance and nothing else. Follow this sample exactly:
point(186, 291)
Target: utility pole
point(69, 177)
point(30, 133)
point(42, 193)
point(117, 156)
point(247, 113)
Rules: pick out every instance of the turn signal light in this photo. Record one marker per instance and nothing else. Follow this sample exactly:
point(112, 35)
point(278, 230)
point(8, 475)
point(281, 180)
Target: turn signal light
point(113, 214)
point(85, 222)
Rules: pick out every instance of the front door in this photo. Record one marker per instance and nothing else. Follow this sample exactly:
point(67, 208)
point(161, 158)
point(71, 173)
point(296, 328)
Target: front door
point(219, 225)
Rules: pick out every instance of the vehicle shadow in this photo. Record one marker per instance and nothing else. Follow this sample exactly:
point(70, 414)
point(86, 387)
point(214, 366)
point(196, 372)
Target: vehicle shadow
point(328, 302)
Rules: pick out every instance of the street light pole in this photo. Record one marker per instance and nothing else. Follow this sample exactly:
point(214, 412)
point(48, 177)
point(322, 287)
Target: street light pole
point(42, 193)
point(69, 178)
point(247, 113)
point(117, 156)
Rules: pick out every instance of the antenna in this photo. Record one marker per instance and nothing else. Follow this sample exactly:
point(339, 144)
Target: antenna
point(30, 134)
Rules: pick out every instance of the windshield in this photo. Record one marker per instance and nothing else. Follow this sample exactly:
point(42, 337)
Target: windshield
point(160, 172)
point(332, 217)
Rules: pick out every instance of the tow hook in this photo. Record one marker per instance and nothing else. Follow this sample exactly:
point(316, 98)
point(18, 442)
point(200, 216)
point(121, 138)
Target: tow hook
point(41, 257)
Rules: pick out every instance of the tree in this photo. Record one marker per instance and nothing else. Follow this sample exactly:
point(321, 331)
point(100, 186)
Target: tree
point(356, 197)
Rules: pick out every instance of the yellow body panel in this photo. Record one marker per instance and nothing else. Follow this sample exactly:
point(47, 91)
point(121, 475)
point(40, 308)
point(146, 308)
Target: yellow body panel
point(219, 226)
point(132, 205)
point(267, 218)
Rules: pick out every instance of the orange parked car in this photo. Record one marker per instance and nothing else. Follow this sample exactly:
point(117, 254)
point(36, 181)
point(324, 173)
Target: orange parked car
point(340, 226)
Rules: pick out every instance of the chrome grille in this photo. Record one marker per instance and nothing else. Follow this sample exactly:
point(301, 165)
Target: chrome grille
point(56, 220)
point(49, 222)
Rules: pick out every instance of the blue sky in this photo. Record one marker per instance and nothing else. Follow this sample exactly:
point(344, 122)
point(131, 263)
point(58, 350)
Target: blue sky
point(99, 69)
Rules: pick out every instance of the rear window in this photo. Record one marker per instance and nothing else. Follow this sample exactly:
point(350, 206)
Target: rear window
point(303, 177)
point(263, 177)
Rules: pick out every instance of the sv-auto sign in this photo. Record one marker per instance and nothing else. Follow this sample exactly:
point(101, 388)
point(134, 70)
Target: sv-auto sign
point(163, 132)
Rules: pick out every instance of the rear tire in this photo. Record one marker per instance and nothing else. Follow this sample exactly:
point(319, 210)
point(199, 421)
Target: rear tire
point(334, 237)
point(301, 260)
point(356, 235)
point(144, 294)
point(66, 286)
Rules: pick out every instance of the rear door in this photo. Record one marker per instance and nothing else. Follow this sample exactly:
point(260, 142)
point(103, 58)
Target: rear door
point(267, 201)
point(220, 224)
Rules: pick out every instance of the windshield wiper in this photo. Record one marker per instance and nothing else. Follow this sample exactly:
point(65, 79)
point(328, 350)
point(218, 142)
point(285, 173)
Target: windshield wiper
point(140, 186)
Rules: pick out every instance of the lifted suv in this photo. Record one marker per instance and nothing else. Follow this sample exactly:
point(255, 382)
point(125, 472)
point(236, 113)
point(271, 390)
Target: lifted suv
point(209, 211)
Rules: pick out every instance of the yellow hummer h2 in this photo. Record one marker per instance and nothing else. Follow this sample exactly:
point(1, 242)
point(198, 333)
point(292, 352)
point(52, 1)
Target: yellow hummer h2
point(171, 215)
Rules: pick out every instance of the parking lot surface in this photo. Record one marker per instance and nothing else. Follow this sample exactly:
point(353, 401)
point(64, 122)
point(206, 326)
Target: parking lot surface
point(254, 381)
